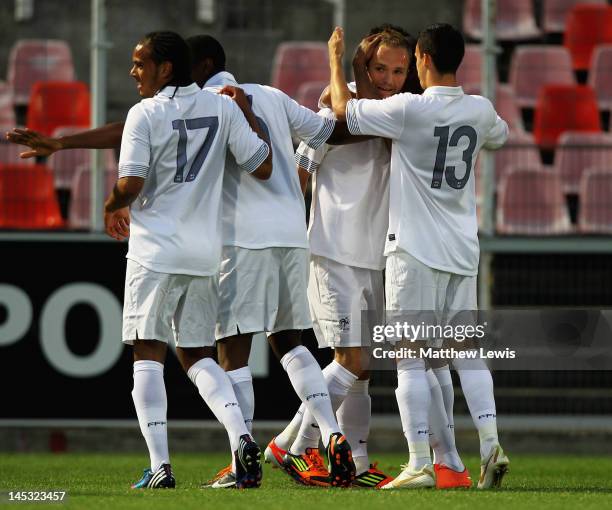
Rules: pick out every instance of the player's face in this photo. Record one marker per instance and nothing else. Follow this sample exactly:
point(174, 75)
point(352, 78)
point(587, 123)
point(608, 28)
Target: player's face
point(146, 72)
point(388, 69)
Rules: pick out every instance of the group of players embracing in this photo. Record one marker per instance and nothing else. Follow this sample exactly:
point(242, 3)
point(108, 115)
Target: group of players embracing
point(211, 201)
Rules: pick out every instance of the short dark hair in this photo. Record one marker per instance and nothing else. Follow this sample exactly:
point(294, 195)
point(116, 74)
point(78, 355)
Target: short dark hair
point(412, 83)
point(166, 46)
point(445, 45)
point(206, 46)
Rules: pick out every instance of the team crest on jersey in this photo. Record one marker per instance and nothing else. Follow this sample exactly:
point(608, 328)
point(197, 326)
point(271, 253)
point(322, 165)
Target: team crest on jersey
point(344, 323)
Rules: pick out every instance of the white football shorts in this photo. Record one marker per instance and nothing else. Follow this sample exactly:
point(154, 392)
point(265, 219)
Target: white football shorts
point(340, 296)
point(159, 306)
point(262, 290)
point(413, 286)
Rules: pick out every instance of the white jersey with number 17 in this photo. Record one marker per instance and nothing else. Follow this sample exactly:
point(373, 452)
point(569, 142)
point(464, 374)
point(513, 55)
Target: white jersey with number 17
point(178, 142)
point(432, 201)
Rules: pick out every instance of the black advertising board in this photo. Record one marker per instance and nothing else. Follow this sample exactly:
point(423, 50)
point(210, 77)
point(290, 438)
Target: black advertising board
point(61, 354)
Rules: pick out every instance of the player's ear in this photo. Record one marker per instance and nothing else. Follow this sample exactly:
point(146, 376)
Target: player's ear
point(165, 69)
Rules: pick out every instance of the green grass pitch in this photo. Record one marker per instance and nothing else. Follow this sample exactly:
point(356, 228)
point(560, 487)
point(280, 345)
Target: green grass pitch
point(102, 482)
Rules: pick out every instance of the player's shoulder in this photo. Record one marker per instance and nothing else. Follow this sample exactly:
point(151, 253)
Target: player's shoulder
point(264, 91)
point(475, 100)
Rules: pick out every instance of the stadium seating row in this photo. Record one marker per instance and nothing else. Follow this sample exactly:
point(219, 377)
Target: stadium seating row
point(531, 201)
point(28, 198)
point(584, 22)
point(534, 66)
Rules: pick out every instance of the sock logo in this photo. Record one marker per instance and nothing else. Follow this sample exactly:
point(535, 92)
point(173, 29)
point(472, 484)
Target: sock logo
point(314, 425)
point(154, 423)
point(488, 415)
point(315, 395)
point(361, 441)
point(423, 432)
point(231, 404)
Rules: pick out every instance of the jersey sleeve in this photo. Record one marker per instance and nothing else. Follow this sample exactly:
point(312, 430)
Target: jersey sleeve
point(377, 117)
point(307, 157)
point(248, 149)
point(135, 156)
point(309, 127)
point(498, 134)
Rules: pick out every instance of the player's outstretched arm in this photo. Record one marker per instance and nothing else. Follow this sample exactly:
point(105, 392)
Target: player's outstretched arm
point(340, 93)
point(264, 170)
point(105, 137)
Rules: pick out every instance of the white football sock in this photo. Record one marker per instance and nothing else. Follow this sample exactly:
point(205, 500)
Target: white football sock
point(441, 435)
point(149, 395)
point(413, 399)
point(477, 386)
point(448, 392)
point(216, 389)
point(339, 380)
point(287, 436)
point(309, 384)
point(354, 419)
point(242, 382)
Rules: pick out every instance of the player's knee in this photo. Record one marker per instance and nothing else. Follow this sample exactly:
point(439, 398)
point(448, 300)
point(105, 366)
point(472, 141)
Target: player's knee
point(189, 356)
point(233, 352)
point(285, 341)
point(353, 359)
point(152, 350)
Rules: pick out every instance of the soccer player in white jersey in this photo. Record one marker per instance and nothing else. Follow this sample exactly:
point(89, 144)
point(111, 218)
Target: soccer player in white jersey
point(432, 244)
point(171, 165)
point(347, 230)
point(264, 269)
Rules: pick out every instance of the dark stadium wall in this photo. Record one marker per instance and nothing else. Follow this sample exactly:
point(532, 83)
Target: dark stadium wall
point(250, 30)
point(60, 319)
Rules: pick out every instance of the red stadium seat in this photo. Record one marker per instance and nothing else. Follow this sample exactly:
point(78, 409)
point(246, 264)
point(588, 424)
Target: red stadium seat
point(587, 26)
point(555, 12)
point(515, 20)
point(7, 112)
point(299, 62)
point(309, 93)
point(531, 202)
point(79, 215)
point(27, 198)
point(33, 60)
point(470, 70)
point(579, 151)
point(563, 108)
point(55, 104)
point(600, 76)
point(519, 151)
point(595, 211)
point(535, 66)
point(64, 163)
point(505, 104)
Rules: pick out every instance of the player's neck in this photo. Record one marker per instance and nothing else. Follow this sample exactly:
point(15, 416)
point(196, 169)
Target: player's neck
point(442, 80)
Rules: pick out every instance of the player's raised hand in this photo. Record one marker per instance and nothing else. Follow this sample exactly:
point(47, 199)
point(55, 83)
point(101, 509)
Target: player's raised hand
point(117, 223)
point(366, 49)
point(237, 94)
point(41, 145)
point(335, 45)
